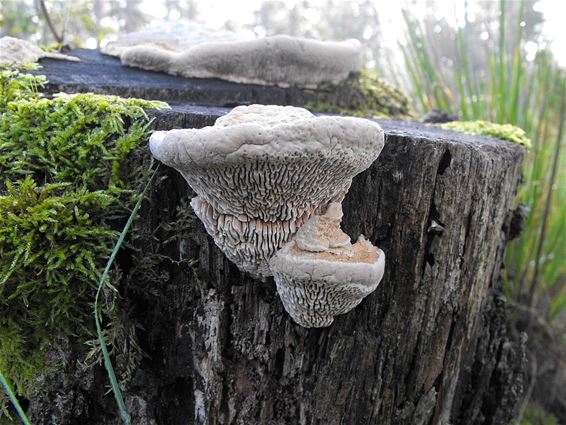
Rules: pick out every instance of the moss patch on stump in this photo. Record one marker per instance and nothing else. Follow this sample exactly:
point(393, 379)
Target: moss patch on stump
point(64, 195)
point(362, 95)
point(485, 128)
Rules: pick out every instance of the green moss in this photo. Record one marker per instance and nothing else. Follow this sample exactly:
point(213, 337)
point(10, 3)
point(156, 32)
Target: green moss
point(15, 86)
point(64, 196)
point(536, 415)
point(485, 128)
point(30, 66)
point(363, 95)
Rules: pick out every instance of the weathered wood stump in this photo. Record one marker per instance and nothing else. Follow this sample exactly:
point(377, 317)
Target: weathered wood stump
point(98, 73)
point(429, 346)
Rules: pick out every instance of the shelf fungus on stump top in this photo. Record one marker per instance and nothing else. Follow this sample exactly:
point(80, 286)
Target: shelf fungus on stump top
point(280, 60)
point(320, 274)
point(262, 171)
point(15, 52)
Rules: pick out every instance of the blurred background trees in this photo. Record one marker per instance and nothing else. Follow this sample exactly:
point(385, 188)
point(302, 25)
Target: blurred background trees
point(488, 60)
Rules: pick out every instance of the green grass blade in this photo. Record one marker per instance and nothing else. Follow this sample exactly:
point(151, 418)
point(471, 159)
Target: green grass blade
point(502, 82)
point(14, 400)
point(460, 77)
point(418, 88)
point(124, 415)
point(517, 69)
point(548, 200)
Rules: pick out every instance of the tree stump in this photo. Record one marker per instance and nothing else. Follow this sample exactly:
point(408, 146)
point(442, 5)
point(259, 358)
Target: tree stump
point(429, 346)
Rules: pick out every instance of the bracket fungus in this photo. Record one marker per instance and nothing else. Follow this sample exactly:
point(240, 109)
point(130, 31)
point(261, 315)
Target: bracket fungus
point(320, 274)
point(14, 51)
point(173, 37)
point(280, 60)
point(262, 171)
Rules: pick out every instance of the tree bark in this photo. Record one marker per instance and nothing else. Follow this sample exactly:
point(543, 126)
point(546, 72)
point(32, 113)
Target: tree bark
point(429, 346)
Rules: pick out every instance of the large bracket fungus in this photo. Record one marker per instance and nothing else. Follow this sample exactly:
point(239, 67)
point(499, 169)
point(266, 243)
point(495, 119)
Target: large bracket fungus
point(261, 172)
point(280, 60)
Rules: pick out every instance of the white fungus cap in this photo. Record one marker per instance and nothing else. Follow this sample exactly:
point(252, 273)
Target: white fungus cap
point(261, 171)
point(14, 51)
point(279, 60)
point(270, 162)
point(174, 37)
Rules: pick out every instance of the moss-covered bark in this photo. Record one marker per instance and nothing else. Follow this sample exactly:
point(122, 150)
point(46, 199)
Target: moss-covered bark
point(362, 95)
point(485, 128)
point(63, 196)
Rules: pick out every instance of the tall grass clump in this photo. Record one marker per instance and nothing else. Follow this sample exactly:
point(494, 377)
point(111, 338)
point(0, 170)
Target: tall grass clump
point(507, 88)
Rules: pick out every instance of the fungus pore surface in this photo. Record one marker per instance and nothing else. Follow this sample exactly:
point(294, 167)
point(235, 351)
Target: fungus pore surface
point(320, 274)
point(279, 60)
point(262, 171)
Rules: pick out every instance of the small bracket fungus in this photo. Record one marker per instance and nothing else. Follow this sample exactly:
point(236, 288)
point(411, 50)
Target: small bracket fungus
point(14, 51)
point(279, 60)
point(320, 274)
point(262, 171)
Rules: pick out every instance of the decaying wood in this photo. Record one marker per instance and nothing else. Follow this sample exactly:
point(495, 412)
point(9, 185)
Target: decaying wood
point(429, 346)
point(103, 74)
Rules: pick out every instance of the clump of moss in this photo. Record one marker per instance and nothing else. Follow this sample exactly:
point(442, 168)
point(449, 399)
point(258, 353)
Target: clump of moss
point(485, 128)
point(51, 243)
point(29, 66)
point(363, 95)
point(536, 415)
point(64, 196)
point(15, 86)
